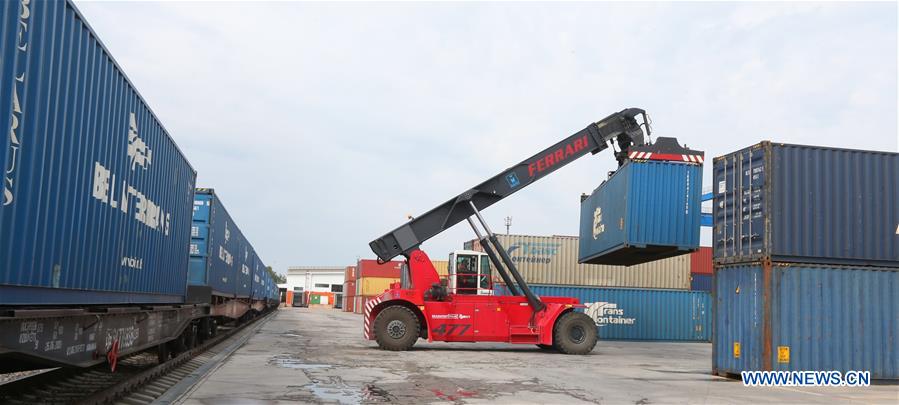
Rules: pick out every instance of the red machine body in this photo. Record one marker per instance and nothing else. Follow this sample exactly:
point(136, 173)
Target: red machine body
point(422, 307)
point(468, 318)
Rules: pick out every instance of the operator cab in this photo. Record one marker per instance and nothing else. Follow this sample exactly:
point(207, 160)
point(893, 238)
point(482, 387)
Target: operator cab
point(469, 273)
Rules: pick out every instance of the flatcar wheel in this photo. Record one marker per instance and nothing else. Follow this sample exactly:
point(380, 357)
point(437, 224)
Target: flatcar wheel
point(162, 353)
point(190, 337)
point(203, 330)
point(177, 346)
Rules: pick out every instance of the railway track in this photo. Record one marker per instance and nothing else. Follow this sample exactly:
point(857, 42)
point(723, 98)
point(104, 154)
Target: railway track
point(138, 379)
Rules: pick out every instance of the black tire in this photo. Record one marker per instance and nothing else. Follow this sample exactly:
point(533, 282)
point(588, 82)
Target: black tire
point(396, 328)
point(546, 347)
point(574, 333)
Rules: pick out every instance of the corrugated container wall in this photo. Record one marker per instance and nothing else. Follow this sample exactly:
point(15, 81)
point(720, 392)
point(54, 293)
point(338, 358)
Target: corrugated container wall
point(96, 196)
point(244, 269)
point(371, 268)
point(442, 267)
point(553, 260)
point(701, 261)
point(349, 287)
point(218, 249)
point(642, 314)
point(349, 274)
point(700, 282)
point(646, 211)
point(809, 204)
point(372, 286)
point(792, 317)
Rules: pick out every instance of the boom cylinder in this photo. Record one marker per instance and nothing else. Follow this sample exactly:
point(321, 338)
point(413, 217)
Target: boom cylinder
point(535, 302)
point(493, 259)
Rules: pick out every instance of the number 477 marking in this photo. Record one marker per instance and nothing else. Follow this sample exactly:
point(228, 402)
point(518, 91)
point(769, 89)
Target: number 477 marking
point(450, 329)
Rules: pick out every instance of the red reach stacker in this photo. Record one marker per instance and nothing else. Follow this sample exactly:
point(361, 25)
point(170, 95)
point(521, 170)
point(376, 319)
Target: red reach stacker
point(421, 306)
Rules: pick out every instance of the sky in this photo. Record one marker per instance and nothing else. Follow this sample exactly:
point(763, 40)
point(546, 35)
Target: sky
point(323, 125)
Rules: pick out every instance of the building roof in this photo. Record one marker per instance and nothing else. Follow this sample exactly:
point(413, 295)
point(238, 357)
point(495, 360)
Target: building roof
point(315, 269)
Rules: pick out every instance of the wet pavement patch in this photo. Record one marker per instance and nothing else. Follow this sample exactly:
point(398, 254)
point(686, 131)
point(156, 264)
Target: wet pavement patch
point(287, 361)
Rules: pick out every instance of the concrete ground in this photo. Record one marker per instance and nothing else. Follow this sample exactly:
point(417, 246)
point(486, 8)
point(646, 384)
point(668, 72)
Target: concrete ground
point(319, 356)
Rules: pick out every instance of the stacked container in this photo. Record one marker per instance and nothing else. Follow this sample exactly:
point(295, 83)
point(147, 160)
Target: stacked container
point(806, 251)
point(349, 289)
point(701, 269)
point(552, 260)
point(372, 279)
point(640, 314)
point(649, 301)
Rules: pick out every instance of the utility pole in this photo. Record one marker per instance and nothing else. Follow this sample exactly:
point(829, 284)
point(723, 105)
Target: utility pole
point(508, 224)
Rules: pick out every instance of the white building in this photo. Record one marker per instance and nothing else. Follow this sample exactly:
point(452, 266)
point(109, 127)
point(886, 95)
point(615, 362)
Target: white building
point(315, 278)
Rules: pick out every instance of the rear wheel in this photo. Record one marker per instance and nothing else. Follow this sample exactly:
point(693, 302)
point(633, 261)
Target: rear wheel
point(574, 333)
point(396, 328)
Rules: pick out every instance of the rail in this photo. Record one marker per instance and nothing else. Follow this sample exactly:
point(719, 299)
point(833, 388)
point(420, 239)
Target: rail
point(98, 385)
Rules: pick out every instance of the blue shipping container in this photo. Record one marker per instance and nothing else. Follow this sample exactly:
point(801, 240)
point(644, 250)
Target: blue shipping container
point(260, 278)
point(96, 196)
point(701, 282)
point(218, 249)
point(790, 317)
point(806, 204)
point(646, 211)
point(640, 314)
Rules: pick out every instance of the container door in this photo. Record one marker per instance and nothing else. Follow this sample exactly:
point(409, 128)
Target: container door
point(739, 319)
point(739, 205)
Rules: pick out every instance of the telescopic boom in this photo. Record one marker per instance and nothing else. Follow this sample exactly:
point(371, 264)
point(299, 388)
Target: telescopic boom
point(622, 128)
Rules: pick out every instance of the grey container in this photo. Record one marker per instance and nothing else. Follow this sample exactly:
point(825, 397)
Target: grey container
point(810, 204)
point(553, 260)
point(96, 197)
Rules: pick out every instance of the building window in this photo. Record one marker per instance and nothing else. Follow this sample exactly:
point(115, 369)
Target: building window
point(337, 288)
point(322, 285)
point(298, 288)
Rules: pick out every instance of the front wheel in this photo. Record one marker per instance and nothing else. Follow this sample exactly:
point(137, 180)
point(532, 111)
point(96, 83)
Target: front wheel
point(574, 333)
point(396, 328)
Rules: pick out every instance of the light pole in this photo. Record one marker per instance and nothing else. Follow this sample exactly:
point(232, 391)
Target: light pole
point(508, 224)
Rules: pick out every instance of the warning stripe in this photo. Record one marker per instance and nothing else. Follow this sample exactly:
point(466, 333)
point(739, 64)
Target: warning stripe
point(367, 317)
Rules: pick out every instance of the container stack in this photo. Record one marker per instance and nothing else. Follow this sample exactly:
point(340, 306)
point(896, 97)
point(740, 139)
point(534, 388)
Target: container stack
point(806, 252)
point(701, 269)
point(372, 279)
point(552, 260)
point(641, 313)
point(349, 289)
point(650, 302)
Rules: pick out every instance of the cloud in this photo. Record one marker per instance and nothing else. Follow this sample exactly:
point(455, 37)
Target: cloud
point(322, 125)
